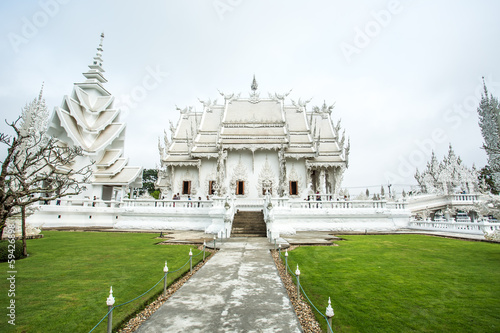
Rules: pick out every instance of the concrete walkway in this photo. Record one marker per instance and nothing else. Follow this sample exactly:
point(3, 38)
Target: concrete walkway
point(238, 290)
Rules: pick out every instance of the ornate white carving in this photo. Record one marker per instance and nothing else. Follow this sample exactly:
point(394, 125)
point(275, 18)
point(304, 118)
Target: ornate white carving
point(267, 180)
point(293, 176)
point(449, 176)
point(187, 177)
point(207, 105)
point(220, 190)
point(239, 174)
point(283, 187)
point(212, 176)
point(229, 97)
point(324, 108)
point(301, 105)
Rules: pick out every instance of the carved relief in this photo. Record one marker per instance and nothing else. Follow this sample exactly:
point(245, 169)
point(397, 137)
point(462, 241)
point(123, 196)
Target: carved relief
point(212, 176)
point(266, 181)
point(239, 174)
point(293, 176)
point(187, 177)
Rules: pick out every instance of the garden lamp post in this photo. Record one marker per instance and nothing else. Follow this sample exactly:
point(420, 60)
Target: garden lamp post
point(110, 301)
point(329, 313)
point(165, 270)
point(297, 273)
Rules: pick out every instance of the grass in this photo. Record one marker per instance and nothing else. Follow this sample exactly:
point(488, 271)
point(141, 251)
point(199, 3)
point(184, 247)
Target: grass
point(63, 285)
point(404, 283)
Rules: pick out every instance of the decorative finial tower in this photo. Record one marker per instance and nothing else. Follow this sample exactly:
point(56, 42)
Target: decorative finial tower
point(88, 118)
point(254, 84)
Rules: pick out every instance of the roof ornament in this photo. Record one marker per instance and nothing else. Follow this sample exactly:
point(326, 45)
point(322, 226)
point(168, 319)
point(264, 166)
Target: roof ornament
point(254, 84)
point(98, 57)
point(300, 104)
point(41, 92)
point(254, 95)
point(279, 97)
point(99, 49)
point(96, 71)
point(229, 97)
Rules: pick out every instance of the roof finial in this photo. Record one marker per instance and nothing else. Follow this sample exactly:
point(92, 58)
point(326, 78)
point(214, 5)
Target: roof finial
point(95, 67)
point(254, 84)
point(99, 48)
point(41, 92)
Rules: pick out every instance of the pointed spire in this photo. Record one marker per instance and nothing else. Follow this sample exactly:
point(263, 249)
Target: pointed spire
point(98, 57)
point(254, 84)
point(485, 89)
point(41, 92)
point(96, 69)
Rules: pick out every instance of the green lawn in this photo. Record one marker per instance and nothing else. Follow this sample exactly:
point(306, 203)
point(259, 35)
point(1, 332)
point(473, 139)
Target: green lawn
point(63, 285)
point(404, 283)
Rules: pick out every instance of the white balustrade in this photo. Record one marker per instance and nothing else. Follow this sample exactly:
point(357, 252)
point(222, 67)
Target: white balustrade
point(452, 226)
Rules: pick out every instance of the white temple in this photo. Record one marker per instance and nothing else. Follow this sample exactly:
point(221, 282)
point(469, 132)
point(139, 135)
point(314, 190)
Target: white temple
point(249, 146)
point(448, 177)
point(282, 162)
point(87, 119)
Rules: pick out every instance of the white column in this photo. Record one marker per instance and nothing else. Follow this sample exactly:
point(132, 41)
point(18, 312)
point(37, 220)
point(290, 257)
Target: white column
point(322, 181)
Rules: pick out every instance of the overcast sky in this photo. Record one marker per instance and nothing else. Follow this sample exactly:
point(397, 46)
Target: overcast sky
point(405, 76)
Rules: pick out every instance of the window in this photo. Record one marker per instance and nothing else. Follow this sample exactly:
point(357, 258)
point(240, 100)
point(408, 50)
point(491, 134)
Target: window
point(240, 187)
point(293, 188)
point(186, 187)
point(211, 187)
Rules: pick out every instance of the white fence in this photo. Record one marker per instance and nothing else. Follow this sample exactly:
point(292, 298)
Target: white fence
point(242, 204)
point(460, 227)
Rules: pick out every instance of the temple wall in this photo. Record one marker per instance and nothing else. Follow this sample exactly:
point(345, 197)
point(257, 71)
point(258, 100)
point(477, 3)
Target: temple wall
point(354, 220)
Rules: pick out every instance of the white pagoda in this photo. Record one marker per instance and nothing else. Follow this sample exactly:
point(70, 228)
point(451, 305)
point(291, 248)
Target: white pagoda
point(88, 119)
point(249, 146)
point(448, 177)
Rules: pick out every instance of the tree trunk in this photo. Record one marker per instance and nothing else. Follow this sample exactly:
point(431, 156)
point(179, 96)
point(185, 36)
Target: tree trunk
point(23, 227)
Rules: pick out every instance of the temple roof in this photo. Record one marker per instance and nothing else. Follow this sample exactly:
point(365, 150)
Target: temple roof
point(254, 123)
point(245, 111)
point(128, 176)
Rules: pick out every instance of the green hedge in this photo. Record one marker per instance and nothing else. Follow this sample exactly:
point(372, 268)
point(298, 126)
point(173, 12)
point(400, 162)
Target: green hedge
point(4, 250)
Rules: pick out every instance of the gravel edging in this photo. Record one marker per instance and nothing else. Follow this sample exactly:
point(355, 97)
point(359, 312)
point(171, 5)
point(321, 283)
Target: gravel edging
point(142, 316)
point(302, 308)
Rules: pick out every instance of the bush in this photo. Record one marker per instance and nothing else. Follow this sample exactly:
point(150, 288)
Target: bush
point(4, 250)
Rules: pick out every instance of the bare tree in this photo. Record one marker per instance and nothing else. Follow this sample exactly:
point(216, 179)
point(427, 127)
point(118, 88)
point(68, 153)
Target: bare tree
point(37, 167)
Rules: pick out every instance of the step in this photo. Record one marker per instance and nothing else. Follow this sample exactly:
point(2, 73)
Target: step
point(248, 231)
point(248, 235)
point(249, 224)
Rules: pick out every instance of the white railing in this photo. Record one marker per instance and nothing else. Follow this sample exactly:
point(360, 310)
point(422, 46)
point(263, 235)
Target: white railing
point(80, 202)
point(167, 203)
point(129, 203)
point(464, 197)
point(241, 204)
point(464, 227)
point(354, 204)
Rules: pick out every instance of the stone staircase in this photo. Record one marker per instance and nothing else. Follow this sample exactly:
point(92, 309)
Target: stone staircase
point(248, 224)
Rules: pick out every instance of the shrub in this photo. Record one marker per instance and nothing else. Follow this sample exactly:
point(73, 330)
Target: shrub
point(4, 250)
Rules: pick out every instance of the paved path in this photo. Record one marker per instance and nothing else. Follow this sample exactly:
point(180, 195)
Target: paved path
point(238, 290)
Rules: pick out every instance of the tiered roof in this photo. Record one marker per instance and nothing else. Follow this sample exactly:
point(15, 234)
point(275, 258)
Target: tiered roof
point(255, 123)
point(89, 120)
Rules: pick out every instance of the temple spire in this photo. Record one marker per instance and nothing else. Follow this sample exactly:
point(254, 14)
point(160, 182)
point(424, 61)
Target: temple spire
point(254, 84)
point(96, 69)
point(41, 92)
point(98, 57)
